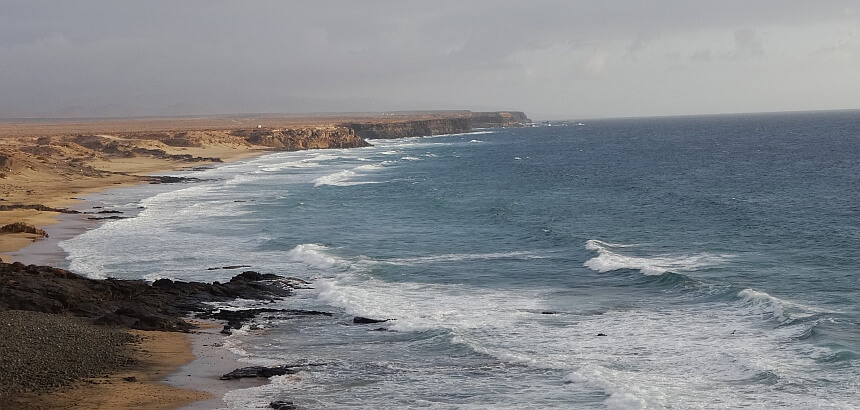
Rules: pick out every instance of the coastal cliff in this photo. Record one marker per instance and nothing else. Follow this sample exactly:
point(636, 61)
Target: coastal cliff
point(499, 119)
point(453, 123)
point(412, 128)
point(294, 139)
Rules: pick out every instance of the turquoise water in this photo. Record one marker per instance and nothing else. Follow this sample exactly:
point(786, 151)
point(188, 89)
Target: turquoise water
point(717, 257)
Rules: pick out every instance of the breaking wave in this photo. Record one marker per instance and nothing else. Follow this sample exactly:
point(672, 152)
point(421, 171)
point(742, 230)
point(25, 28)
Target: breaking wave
point(347, 177)
point(611, 257)
point(457, 257)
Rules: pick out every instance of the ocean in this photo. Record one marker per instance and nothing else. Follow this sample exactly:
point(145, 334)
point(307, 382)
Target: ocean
point(677, 262)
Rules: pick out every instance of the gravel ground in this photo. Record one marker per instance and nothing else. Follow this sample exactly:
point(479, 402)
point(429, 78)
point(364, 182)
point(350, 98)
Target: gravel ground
point(40, 352)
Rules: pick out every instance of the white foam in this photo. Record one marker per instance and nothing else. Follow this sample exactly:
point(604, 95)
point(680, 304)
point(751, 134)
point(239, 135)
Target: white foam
point(784, 311)
point(459, 257)
point(683, 355)
point(291, 165)
point(347, 177)
point(315, 256)
point(619, 397)
point(610, 258)
point(761, 302)
point(421, 306)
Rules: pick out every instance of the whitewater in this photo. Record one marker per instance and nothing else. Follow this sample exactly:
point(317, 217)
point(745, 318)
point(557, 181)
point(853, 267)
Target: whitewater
point(691, 262)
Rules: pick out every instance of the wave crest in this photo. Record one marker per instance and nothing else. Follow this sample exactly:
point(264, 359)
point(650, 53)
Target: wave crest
point(458, 257)
point(786, 312)
point(345, 177)
point(610, 258)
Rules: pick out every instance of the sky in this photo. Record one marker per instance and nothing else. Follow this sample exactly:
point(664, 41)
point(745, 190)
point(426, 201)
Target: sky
point(553, 59)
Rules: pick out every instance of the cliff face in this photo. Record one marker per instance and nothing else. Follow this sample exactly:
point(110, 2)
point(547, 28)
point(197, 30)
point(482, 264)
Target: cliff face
point(449, 124)
point(292, 139)
point(499, 119)
point(412, 128)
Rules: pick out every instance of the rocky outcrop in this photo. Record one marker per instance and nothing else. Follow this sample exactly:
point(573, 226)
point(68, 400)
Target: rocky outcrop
point(130, 303)
point(6, 162)
point(364, 320)
point(294, 139)
point(126, 149)
point(261, 371)
point(37, 207)
point(283, 405)
point(20, 227)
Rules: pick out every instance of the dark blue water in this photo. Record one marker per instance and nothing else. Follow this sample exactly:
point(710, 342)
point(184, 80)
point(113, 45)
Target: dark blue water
point(691, 262)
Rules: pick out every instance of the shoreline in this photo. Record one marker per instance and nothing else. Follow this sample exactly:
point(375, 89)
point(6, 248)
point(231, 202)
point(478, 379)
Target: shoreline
point(143, 386)
point(177, 370)
point(164, 357)
point(211, 361)
point(60, 226)
point(49, 167)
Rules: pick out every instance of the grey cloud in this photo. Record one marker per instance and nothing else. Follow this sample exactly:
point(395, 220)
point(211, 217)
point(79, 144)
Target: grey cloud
point(748, 43)
point(225, 56)
point(701, 56)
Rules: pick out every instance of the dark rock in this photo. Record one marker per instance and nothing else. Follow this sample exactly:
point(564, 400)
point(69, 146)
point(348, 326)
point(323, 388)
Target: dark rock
point(129, 303)
point(251, 276)
point(20, 227)
point(230, 267)
point(298, 312)
point(259, 371)
point(130, 379)
point(37, 207)
point(363, 320)
point(105, 218)
point(283, 405)
point(167, 179)
point(112, 319)
point(235, 318)
point(601, 334)
point(297, 280)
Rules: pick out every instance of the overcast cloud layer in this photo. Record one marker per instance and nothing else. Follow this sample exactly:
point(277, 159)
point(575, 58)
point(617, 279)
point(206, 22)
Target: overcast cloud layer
point(551, 59)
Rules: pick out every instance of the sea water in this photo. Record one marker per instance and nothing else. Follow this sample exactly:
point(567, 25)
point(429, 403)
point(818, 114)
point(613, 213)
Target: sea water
point(690, 262)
